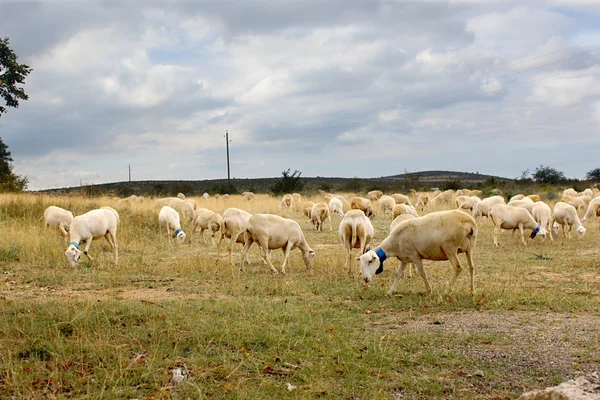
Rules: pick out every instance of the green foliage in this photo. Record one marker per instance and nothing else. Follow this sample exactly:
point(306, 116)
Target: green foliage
point(9, 181)
point(550, 175)
point(223, 188)
point(593, 175)
point(325, 186)
point(288, 183)
point(453, 184)
point(12, 74)
point(353, 185)
point(181, 187)
point(10, 253)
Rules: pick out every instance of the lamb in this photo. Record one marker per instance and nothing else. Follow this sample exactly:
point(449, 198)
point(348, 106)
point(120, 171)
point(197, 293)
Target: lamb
point(467, 202)
point(232, 226)
point(482, 209)
point(438, 236)
point(318, 214)
point(169, 218)
point(422, 201)
point(59, 218)
point(510, 217)
point(356, 232)
point(286, 202)
point(593, 209)
point(374, 195)
point(360, 203)
point(336, 207)
point(387, 204)
point(207, 220)
point(543, 216)
point(574, 201)
point(401, 209)
point(92, 225)
point(566, 215)
point(272, 232)
point(401, 199)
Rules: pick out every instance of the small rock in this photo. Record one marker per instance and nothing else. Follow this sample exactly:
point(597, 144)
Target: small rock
point(478, 373)
point(290, 387)
point(180, 374)
point(583, 388)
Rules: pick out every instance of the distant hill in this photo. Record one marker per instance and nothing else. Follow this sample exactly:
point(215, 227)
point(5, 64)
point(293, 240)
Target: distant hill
point(401, 182)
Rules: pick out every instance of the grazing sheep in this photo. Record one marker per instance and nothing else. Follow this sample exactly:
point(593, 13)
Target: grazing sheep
point(356, 232)
point(566, 215)
point(401, 199)
point(570, 192)
point(482, 209)
point(513, 218)
point(534, 197)
point(181, 196)
point(593, 209)
point(307, 209)
point(207, 220)
point(272, 232)
point(232, 227)
point(387, 204)
point(400, 209)
point(438, 236)
point(360, 203)
point(517, 197)
point(318, 214)
point(297, 198)
point(496, 192)
point(169, 218)
point(543, 216)
point(586, 199)
point(184, 207)
point(443, 198)
point(422, 201)
point(526, 204)
point(205, 196)
point(59, 218)
point(587, 192)
point(247, 196)
point(574, 201)
point(127, 202)
point(374, 195)
point(92, 225)
point(286, 202)
point(467, 202)
point(336, 207)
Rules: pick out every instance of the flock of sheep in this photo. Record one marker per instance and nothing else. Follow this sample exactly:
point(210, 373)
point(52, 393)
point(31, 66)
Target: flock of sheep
point(437, 235)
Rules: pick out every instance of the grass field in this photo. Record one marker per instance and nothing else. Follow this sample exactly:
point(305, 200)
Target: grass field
point(106, 331)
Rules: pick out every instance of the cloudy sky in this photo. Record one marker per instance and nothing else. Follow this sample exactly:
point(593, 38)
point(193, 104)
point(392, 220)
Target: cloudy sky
point(330, 88)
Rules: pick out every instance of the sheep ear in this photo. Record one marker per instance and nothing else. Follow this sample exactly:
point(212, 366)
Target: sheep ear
point(358, 256)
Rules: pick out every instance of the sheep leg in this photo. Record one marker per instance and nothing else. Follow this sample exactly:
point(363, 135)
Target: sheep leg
point(64, 232)
point(234, 239)
point(330, 223)
point(88, 243)
point(286, 255)
point(550, 230)
point(399, 275)
point(522, 235)
point(203, 237)
point(419, 264)
point(247, 244)
point(266, 254)
point(112, 240)
point(219, 246)
point(469, 256)
point(457, 268)
point(408, 272)
point(497, 231)
point(348, 264)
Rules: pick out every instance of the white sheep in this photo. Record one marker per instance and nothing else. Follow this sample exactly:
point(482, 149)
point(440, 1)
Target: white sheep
point(94, 224)
point(575, 201)
point(443, 197)
point(272, 232)
point(307, 209)
point(422, 201)
point(513, 218)
point(232, 227)
point(184, 207)
point(386, 205)
point(169, 218)
point(356, 232)
point(570, 192)
point(360, 203)
point(523, 203)
point(247, 196)
point(286, 202)
point(336, 207)
point(318, 214)
point(181, 196)
point(587, 192)
point(467, 202)
point(437, 236)
point(400, 209)
point(59, 218)
point(374, 195)
point(207, 220)
point(205, 196)
point(566, 215)
point(400, 199)
point(482, 209)
point(542, 214)
point(395, 223)
point(593, 209)
point(517, 197)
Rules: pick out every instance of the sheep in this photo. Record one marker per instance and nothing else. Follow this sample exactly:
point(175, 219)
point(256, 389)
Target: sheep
point(400, 199)
point(587, 192)
point(336, 207)
point(510, 217)
point(443, 197)
point(534, 197)
point(272, 232)
point(526, 204)
point(207, 220)
point(374, 195)
point(232, 226)
point(386, 204)
point(181, 196)
point(543, 216)
point(297, 198)
point(318, 214)
point(360, 203)
point(205, 196)
point(169, 218)
point(400, 209)
point(467, 202)
point(128, 201)
point(193, 203)
point(356, 232)
point(184, 207)
point(400, 218)
point(59, 218)
point(438, 236)
point(586, 199)
point(593, 209)
point(496, 192)
point(574, 201)
point(247, 196)
point(570, 192)
point(307, 209)
point(566, 215)
point(92, 225)
point(286, 202)
point(517, 197)
point(328, 197)
point(482, 209)
point(422, 201)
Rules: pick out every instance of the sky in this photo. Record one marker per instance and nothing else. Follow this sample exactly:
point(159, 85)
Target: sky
point(342, 88)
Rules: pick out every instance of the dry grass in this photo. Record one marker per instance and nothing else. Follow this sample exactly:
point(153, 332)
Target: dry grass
point(106, 331)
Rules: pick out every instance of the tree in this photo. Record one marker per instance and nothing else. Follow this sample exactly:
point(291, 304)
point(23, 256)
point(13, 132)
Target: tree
point(9, 181)
point(12, 74)
point(547, 175)
point(288, 183)
point(593, 175)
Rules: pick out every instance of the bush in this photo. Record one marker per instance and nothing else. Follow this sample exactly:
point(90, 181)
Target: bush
point(353, 185)
point(453, 184)
point(288, 183)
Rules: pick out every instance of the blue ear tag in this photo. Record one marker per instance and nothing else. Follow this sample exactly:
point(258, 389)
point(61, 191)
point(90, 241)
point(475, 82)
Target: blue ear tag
point(382, 256)
point(76, 245)
point(177, 232)
point(534, 232)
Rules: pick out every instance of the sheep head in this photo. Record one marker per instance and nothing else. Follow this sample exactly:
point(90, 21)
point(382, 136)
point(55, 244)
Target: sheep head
point(73, 255)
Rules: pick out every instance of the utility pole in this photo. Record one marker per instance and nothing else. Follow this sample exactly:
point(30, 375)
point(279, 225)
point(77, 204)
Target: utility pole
point(228, 171)
point(129, 167)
